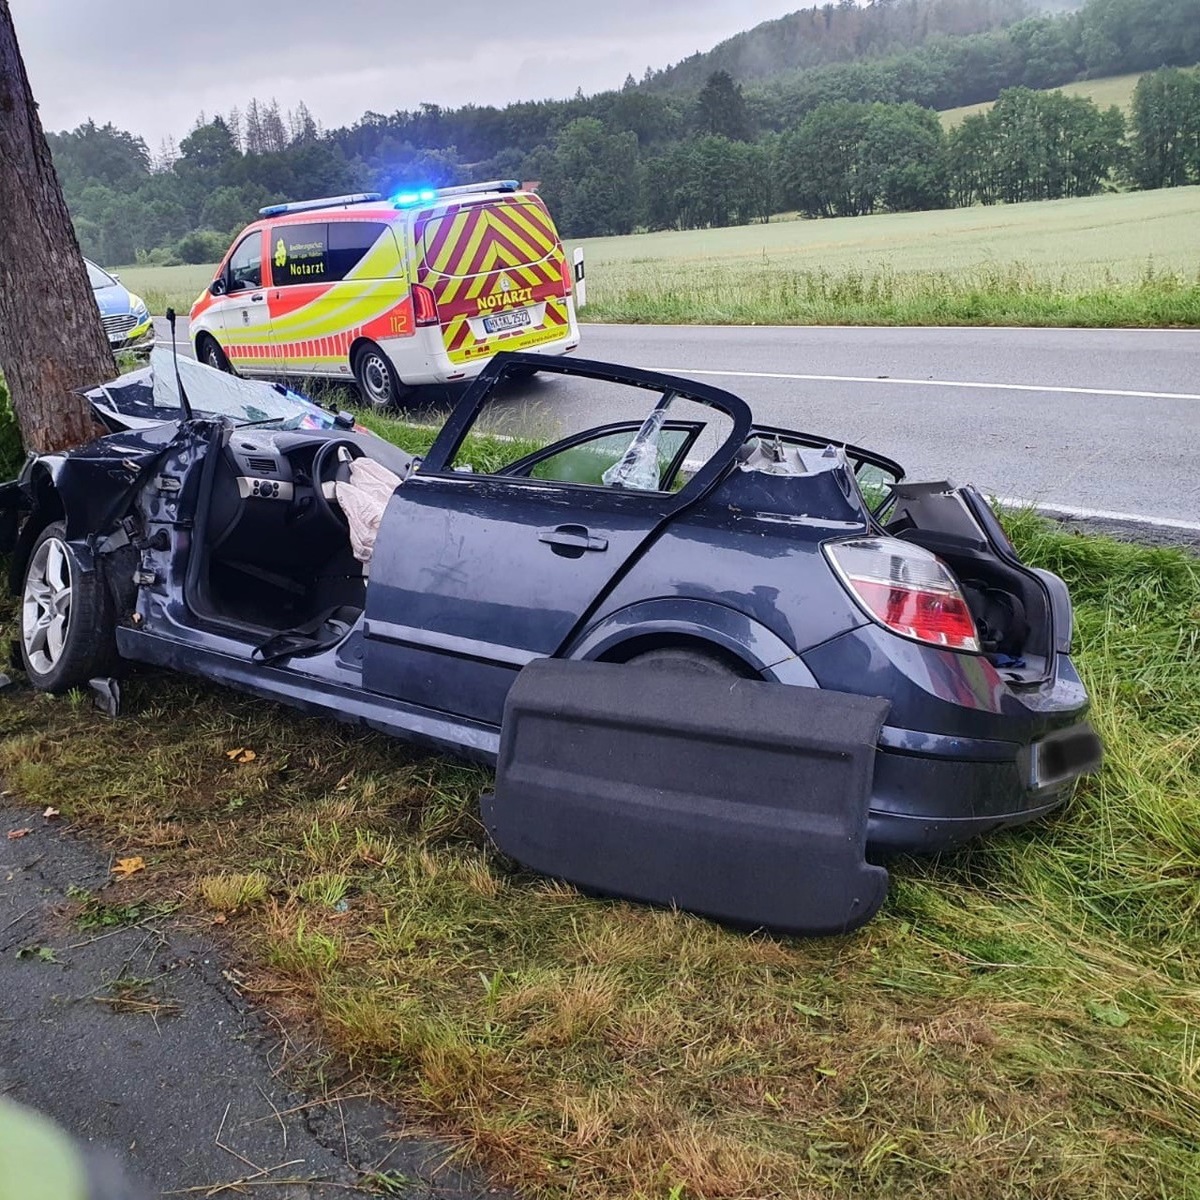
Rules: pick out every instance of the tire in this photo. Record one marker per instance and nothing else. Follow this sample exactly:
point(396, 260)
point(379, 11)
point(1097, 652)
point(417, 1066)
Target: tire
point(67, 619)
point(695, 662)
point(378, 383)
point(209, 352)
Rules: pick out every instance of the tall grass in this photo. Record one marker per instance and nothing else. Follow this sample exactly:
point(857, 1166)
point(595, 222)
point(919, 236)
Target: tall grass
point(990, 294)
point(1021, 1020)
point(12, 450)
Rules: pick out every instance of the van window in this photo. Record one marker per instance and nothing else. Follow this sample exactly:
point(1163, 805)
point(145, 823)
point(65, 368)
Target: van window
point(320, 253)
point(298, 254)
point(454, 246)
point(349, 242)
point(245, 264)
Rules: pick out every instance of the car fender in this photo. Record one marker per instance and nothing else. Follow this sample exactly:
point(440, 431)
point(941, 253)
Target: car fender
point(674, 621)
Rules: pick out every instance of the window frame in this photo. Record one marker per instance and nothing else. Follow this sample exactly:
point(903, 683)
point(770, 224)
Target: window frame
point(523, 466)
point(230, 289)
point(438, 463)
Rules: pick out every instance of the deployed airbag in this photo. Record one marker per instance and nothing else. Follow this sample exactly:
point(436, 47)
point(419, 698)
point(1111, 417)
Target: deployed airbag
point(363, 500)
point(737, 799)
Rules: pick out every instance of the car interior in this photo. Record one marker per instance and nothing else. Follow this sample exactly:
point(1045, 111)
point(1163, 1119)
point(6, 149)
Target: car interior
point(278, 547)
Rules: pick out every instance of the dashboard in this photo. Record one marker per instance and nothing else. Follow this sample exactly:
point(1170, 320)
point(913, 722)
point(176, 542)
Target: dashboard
point(267, 507)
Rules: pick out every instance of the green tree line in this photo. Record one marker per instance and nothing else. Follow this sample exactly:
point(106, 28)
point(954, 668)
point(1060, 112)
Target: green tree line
point(834, 139)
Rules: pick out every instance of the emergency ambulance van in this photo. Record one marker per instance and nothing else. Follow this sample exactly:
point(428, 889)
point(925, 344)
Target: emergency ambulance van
point(421, 288)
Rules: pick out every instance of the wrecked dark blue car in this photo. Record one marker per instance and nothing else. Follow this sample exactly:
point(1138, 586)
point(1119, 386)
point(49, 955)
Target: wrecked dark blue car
point(680, 543)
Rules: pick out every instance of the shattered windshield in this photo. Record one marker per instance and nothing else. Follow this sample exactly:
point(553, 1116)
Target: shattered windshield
point(243, 401)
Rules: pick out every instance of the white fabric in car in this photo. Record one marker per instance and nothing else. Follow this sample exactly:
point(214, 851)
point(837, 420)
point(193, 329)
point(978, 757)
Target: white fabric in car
point(363, 500)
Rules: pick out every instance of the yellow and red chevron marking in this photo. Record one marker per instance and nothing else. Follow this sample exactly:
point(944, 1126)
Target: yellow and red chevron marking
point(481, 260)
point(463, 236)
point(463, 346)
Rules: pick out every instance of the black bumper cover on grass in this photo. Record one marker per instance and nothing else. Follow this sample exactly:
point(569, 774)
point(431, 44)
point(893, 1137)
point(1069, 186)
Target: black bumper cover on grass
point(740, 800)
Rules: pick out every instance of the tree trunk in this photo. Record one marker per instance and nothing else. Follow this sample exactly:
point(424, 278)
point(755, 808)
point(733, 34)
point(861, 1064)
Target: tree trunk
point(51, 338)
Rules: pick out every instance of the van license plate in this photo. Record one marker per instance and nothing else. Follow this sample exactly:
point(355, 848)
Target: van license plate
point(509, 320)
point(1064, 756)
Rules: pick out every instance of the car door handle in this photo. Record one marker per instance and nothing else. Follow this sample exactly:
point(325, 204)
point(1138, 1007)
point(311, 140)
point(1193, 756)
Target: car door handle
point(257, 298)
point(572, 537)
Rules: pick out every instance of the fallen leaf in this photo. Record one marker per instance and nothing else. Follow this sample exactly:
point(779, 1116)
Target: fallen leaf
point(128, 866)
point(1107, 1014)
point(50, 814)
point(241, 755)
point(14, 834)
point(220, 919)
point(41, 953)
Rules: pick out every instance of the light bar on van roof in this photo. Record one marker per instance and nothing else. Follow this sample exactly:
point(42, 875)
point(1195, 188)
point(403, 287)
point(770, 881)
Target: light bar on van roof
point(427, 195)
point(275, 210)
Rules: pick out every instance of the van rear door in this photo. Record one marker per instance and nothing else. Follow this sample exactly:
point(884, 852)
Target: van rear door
point(499, 275)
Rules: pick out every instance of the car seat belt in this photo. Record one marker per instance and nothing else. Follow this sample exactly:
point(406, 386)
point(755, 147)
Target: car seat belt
point(310, 638)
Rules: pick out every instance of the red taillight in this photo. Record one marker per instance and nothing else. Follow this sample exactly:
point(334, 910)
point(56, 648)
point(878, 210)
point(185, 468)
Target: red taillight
point(425, 310)
point(568, 275)
point(907, 590)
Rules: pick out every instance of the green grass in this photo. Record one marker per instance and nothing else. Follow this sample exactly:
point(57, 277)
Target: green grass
point(1021, 1020)
point(1129, 259)
point(1112, 260)
point(1104, 93)
point(168, 287)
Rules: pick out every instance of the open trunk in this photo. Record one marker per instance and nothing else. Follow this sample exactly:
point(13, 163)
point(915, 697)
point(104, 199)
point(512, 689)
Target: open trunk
point(1022, 615)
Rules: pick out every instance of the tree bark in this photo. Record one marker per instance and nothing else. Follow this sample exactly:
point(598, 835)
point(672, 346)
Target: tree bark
point(51, 337)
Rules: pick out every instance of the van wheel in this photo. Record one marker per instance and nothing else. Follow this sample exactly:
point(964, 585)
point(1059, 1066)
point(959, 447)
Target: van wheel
point(67, 621)
point(376, 377)
point(209, 352)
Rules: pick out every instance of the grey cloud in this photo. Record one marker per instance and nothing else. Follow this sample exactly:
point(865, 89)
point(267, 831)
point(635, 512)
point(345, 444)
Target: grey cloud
point(151, 67)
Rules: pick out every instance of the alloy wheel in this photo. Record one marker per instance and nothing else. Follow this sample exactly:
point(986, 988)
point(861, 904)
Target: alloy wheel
point(46, 606)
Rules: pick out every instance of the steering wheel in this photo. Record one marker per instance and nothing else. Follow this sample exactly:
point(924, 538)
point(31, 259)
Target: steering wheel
point(331, 465)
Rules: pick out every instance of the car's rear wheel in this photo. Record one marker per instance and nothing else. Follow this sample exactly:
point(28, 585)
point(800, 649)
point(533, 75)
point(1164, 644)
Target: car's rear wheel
point(209, 352)
point(67, 621)
point(695, 661)
point(378, 383)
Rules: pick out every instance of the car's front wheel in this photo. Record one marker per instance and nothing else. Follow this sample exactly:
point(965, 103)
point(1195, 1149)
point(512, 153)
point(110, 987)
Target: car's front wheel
point(67, 623)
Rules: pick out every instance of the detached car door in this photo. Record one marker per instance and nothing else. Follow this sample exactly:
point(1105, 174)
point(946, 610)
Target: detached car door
point(476, 575)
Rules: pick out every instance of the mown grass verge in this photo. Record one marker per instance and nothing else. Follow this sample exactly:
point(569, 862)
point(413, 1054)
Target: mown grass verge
point(990, 294)
point(1021, 1020)
point(707, 293)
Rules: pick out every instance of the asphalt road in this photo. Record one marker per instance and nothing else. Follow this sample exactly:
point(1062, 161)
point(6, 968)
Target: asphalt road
point(1098, 424)
point(139, 1042)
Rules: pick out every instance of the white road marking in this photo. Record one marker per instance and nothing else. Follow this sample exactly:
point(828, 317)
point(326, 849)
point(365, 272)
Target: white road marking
point(760, 326)
point(933, 383)
point(1099, 514)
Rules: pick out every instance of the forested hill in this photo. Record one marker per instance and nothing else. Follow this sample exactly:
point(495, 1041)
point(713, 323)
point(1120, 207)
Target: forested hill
point(840, 138)
point(844, 32)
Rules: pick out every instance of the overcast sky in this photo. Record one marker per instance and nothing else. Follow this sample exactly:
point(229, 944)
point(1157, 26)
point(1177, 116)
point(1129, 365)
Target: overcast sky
point(152, 67)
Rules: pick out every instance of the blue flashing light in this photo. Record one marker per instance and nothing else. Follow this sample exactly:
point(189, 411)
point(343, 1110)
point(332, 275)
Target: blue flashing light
point(408, 199)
